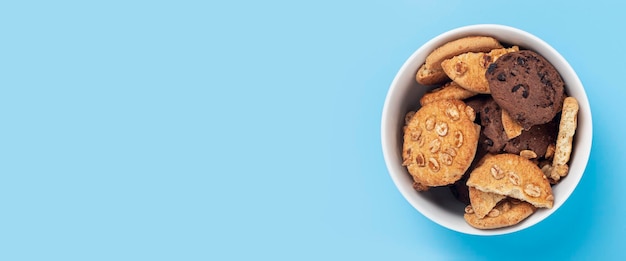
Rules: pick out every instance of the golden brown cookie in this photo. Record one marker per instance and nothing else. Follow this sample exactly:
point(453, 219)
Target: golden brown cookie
point(567, 129)
point(440, 142)
point(483, 202)
point(430, 73)
point(513, 176)
point(450, 90)
point(430, 76)
point(512, 129)
point(507, 213)
point(468, 69)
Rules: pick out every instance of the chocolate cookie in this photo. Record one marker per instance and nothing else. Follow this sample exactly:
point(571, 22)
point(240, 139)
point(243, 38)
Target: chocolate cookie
point(491, 122)
point(537, 139)
point(477, 102)
point(527, 86)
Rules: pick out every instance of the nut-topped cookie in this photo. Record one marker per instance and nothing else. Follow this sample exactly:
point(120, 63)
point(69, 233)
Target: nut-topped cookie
point(430, 72)
point(450, 90)
point(507, 212)
point(483, 202)
point(440, 142)
point(513, 176)
point(468, 69)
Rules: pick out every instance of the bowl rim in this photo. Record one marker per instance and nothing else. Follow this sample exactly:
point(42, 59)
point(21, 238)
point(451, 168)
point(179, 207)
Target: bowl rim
point(582, 149)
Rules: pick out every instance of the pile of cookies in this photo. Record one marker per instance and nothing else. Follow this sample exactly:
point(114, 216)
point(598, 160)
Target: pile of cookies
point(497, 129)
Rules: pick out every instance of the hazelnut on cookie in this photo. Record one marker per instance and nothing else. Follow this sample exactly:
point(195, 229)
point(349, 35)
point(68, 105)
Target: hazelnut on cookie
point(431, 73)
point(468, 69)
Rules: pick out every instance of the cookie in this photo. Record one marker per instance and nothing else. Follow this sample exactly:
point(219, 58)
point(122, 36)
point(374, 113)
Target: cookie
point(477, 102)
point(567, 129)
point(430, 76)
point(512, 129)
point(431, 73)
point(450, 90)
point(468, 69)
point(507, 213)
point(513, 176)
point(527, 86)
point(537, 139)
point(440, 143)
point(483, 202)
point(493, 130)
point(484, 145)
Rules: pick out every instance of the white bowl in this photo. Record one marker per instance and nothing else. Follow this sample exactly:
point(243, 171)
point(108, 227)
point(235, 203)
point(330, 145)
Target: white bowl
point(438, 204)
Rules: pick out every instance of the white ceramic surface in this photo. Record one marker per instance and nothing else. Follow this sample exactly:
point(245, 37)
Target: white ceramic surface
point(438, 204)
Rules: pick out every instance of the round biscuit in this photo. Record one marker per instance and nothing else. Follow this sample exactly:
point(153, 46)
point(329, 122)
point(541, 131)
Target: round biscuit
point(440, 142)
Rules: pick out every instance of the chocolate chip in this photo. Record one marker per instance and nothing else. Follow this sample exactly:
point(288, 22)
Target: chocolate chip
point(488, 142)
point(501, 77)
point(521, 61)
point(544, 79)
point(492, 67)
point(524, 90)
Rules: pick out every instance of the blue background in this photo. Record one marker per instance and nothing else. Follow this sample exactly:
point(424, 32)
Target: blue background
point(247, 130)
